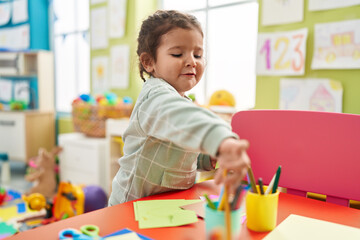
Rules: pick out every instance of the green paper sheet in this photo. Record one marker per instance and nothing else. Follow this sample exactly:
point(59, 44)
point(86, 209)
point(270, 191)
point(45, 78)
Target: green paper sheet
point(163, 213)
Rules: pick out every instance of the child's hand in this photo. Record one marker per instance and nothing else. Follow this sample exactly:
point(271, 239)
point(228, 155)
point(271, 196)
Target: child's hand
point(232, 157)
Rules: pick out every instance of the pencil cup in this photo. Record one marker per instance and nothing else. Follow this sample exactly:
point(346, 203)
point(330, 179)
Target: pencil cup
point(215, 223)
point(261, 211)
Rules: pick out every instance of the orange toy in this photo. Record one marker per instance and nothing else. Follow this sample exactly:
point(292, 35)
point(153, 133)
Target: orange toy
point(69, 201)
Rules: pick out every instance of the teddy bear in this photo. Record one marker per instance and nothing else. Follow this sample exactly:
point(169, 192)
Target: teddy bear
point(44, 176)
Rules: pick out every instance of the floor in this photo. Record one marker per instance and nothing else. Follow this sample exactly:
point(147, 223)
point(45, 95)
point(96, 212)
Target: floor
point(17, 181)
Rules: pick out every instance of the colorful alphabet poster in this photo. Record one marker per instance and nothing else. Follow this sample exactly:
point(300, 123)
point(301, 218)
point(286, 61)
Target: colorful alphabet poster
point(318, 5)
point(311, 94)
point(281, 53)
point(337, 45)
point(282, 12)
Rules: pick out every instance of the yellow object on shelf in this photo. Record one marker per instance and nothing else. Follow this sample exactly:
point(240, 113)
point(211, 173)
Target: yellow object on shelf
point(222, 98)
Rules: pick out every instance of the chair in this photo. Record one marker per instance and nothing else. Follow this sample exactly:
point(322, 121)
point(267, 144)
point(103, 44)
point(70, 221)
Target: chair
point(319, 151)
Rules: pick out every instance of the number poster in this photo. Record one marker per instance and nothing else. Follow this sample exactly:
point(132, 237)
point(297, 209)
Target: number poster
point(281, 53)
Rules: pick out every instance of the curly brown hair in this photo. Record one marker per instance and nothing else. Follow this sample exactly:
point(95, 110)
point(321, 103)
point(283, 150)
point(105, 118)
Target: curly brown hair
point(158, 24)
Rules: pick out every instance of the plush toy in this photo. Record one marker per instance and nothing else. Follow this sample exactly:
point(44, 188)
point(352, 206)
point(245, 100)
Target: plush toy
point(44, 176)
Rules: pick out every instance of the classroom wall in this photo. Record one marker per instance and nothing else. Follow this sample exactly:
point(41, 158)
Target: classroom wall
point(37, 19)
point(267, 87)
point(137, 11)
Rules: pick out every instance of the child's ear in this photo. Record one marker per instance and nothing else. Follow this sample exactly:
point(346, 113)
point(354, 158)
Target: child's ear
point(147, 62)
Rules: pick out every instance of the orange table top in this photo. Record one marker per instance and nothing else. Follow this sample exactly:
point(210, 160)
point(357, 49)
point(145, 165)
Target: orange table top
point(115, 218)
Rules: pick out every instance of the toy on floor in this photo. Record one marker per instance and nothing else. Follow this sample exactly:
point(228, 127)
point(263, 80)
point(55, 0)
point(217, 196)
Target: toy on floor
point(44, 176)
point(95, 198)
point(70, 200)
point(15, 213)
point(2, 195)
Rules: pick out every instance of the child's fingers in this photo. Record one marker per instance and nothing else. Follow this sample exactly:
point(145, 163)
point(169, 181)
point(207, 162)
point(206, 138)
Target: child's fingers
point(235, 177)
point(244, 144)
point(218, 176)
point(234, 164)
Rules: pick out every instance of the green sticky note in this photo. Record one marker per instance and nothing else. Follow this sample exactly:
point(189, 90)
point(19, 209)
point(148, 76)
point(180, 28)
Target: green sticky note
point(136, 211)
point(164, 213)
point(157, 219)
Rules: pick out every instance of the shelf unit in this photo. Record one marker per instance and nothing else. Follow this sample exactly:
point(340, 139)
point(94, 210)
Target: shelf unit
point(24, 132)
point(35, 64)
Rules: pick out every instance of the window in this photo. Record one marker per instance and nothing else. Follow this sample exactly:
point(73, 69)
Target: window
point(230, 28)
point(72, 51)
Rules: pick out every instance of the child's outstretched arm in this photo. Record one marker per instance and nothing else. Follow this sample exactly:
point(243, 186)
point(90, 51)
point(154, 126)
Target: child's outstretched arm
point(232, 157)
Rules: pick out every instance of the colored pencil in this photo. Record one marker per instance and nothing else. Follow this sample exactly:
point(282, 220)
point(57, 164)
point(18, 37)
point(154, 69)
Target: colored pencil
point(210, 203)
point(227, 209)
point(221, 199)
point(252, 180)
point(236, 199)
point(261, 186)
point(271, 184)
point(276, 183)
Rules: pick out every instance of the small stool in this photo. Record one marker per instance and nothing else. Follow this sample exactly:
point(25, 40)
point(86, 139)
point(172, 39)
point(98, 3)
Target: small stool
point(5, 168)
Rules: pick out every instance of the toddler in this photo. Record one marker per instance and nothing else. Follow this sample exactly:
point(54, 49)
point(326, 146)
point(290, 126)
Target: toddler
point(169, 138)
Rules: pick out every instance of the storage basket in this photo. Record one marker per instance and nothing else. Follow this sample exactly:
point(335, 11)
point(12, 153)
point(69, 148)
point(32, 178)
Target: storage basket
point(90, 119)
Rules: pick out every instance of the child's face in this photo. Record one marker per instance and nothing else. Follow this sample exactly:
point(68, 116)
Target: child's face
point(180, 59)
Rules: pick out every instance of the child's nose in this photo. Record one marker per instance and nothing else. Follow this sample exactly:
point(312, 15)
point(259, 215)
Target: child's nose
point(190, 61)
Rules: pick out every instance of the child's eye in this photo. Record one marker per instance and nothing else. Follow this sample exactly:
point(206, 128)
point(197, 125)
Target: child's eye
point(197, 56)
point(176, 55)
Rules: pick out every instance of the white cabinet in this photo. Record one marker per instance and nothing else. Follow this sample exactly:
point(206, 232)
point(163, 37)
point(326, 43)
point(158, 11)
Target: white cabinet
point(22, 133)
point(83, 160)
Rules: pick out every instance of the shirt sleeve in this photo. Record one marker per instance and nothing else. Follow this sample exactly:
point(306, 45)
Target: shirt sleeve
point(165, 115)
point(204, 163)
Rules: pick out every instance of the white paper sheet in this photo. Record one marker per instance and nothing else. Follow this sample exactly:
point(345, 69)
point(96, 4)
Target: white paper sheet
point(337, 45)
point(297, 227)
point(100, 79)
point(282, 12)
point(5, 90)
point(5, 13)
point(311, 94)
point(19, 11)
point(99, 37)
point(15, 38)
point(117, 18)
point(119, 66)
point(22, 91)
point(281, 53)
point(316, 5)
